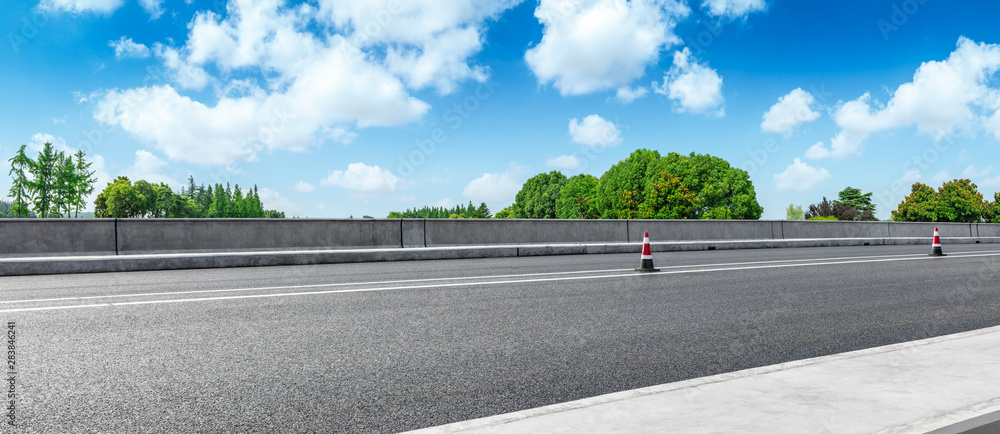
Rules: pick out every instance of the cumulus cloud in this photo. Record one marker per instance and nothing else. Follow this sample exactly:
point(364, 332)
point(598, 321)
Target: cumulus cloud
point(153, 7)
point(271, 199)
point(790, 111)
point(943, 97)
point(82, 6)
point(799, 176)
point(972, 173)
point(911, 176)
point(427, 42)
point(594, 132)
point(150, 168)
point(307, 87)
point(626, 95)
point(564, 162)
point(694, 87)
point(592, 45)
point(494, 187)
point(993, 124)
point(364, 178)
point(126, 48)
point(732, 8)
point(304, 187)
point(38, 141)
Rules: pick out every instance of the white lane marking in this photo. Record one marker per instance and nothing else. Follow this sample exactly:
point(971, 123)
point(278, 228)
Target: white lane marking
point(317, 285)
point(502, 282)
point(444, 279)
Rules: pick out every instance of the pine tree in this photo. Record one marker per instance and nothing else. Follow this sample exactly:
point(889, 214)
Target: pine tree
point(22, 189)
point(84, 181)
point(43, 184)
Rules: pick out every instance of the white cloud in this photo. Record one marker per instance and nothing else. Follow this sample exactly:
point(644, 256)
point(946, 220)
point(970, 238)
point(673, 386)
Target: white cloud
point(993, 124)
point(494, 188)
point(153, 7)
point(271, 199)
point(972, 173)
point(694, 87)
point(911, 176)
point(126, 48)
point(626, 95)
point(564, 162)
point(799, 176)
point(990, 182)
point(594, 132)
point(304, 187)
point(732, 8)
point(941, 177)
point(443, 203)
point(790, 111)
point(150, 168)
point(592, 45)
point(364, 178)
point(38, 141)
point(943, 97)
point(427, 42)
point(82, 6)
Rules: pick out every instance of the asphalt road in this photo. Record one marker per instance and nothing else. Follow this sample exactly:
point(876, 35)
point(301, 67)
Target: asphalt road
point(388, 347)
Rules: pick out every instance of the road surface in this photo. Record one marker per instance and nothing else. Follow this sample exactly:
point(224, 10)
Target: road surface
point(389, 347)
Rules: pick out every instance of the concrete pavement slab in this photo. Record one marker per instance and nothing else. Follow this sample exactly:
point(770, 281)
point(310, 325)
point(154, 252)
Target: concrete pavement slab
point(946, 384)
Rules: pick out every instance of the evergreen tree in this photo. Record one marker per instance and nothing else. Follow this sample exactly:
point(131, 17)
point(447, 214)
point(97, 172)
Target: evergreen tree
point(44, 173)
point(22, 189)
point(84, 181)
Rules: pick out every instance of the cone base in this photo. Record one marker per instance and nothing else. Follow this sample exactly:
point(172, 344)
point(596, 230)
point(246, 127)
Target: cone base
point(936, 252)
point(647, 270)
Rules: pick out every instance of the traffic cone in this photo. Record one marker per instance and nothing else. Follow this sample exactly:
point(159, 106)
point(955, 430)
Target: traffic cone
point(647, 256)
point(936, 247)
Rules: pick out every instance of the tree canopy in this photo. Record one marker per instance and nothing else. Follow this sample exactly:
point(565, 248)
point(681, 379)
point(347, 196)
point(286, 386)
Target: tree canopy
point(52, 184)
point(123, 199)
point(957, 200)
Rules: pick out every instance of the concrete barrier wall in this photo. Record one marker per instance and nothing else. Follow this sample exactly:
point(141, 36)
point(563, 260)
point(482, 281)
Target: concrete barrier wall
point(34, 237)
point(922, 229)
point(830, 229)
point(205, 235)
point(37, 237)
point(694, 230)
point(457, 232)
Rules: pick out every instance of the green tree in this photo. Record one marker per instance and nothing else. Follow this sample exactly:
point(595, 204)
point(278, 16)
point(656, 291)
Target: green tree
point(65, 188)
point(959, 200)
point(504, 213)
point(667, 198)
point(851, 204)
point(43, 184)
point(955, 201)
point(723, 191)
point(22, 189)
point(538, 196)
point(991, 210)
point(621, 187)
point(919, 206)
point(794, 212)
point(576, 199)
point(119, 199)
point(84, 181)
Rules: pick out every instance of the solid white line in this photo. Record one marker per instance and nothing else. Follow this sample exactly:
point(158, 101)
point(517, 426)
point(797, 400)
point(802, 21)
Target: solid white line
point(502, 282)
point(318, 285)
point(444, 279)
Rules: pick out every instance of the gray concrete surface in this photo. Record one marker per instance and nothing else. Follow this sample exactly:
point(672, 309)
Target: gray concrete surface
point(386, 347)
point(40, 237)
point(946, 384)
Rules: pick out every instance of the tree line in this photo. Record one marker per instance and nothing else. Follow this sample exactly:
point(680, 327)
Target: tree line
point(51, 185)
point(958, 200)
point(123, 199)
point(646, 185)
point(458, 212)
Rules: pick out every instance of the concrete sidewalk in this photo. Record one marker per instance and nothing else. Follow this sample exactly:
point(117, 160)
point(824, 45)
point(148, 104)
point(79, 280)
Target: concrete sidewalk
point(947, 384)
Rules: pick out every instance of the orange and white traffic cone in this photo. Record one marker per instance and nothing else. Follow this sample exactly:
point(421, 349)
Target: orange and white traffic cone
point(936, 246)
point(647, 256)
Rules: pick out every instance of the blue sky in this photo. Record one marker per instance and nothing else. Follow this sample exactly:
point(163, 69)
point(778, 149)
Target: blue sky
point(336, 108)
